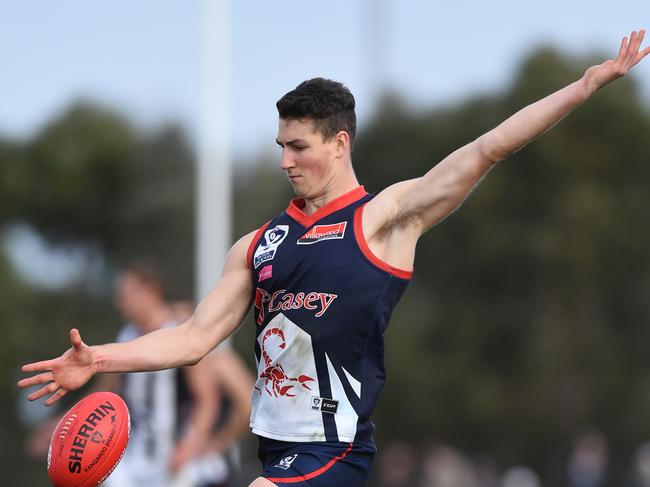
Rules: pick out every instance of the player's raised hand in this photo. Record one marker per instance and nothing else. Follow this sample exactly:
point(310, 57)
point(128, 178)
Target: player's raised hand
point(629, 54)
point(66, 373)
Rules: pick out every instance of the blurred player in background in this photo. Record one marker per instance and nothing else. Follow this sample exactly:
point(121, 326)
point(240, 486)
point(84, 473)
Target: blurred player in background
point(181, 434)
point(324, 277)
point(174, 413)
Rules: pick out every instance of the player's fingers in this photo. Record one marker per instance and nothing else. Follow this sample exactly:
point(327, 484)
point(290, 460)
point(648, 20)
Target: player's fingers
point(75, 338)
point(36, 366)
point(55, 397)
point(37, 379)
point(623, 49)
point(635, 59)
point(48, 389)
point(641, 55)
point(633, 47)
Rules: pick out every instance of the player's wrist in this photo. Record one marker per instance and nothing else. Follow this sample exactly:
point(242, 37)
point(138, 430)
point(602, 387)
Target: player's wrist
point(591, 83)
point(100, 360)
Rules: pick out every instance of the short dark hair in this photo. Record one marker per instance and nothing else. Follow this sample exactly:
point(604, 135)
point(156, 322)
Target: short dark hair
point(328, 103)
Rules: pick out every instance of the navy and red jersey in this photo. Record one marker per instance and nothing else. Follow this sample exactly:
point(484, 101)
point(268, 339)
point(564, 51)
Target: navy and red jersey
point(322, 303)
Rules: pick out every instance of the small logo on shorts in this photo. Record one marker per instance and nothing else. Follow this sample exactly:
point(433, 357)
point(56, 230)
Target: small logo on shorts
point(324, 405)
point(286, 462)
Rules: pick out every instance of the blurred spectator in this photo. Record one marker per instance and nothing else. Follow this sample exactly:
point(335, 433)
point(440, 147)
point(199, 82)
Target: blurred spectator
point(397, 465)
point(443, 466)
point(173, 412)
point(519, 476)
point(588, 461)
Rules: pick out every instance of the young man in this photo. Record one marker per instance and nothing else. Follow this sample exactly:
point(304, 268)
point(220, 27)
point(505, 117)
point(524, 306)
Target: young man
point(324, 277)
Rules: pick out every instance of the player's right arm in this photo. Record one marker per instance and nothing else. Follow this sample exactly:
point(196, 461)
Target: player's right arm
point(217, 317)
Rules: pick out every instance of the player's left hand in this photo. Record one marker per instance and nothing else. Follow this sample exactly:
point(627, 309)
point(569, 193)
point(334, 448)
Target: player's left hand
point(629, 55)
point(65, 373)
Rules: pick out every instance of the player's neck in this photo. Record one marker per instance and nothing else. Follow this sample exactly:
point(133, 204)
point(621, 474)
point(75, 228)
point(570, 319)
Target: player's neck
point(334, 189)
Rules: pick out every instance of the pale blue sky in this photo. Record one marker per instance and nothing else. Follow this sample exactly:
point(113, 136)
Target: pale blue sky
point(142, 56)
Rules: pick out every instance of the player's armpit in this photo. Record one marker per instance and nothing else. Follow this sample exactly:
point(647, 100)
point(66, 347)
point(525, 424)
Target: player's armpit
point(438, 193)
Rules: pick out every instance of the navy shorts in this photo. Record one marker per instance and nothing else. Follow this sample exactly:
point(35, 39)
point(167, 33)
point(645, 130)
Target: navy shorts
point(315, 463)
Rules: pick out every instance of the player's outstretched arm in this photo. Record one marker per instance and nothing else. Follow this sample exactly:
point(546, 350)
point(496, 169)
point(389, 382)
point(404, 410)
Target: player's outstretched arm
point(423, 202)
point(216, 317)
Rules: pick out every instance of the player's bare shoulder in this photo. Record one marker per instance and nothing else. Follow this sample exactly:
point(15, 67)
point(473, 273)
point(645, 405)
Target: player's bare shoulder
point(238, 254)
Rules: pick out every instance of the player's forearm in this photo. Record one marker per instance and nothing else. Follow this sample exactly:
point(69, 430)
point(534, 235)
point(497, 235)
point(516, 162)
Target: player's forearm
point(532, 121)
point(161, 349)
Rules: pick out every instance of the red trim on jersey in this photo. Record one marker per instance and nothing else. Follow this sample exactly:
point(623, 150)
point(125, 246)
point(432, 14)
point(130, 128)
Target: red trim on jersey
point(311, 475)
point(251, 247)
point(363, 245)
point(294, 210)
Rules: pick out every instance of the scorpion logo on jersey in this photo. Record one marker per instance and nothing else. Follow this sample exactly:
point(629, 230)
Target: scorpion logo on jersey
point(276, 382)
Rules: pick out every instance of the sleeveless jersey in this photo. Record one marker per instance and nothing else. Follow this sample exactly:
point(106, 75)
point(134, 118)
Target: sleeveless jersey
point(322, 303)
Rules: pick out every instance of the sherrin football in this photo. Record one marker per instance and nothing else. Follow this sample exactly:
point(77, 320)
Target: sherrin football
point(89, 441)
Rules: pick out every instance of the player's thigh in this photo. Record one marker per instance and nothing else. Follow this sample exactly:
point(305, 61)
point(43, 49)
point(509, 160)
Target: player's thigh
point(262, 482)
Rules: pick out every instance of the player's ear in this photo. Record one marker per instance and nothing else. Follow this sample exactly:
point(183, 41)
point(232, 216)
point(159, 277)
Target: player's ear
point(342, 142)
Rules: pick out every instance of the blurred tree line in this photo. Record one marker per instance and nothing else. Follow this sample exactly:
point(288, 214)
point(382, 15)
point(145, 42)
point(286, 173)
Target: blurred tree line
point(526, 318)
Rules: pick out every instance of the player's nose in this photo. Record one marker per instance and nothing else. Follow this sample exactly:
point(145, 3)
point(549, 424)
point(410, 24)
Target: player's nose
point(287, 161)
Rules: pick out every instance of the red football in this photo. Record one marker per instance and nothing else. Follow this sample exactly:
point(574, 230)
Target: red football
point(89, 441)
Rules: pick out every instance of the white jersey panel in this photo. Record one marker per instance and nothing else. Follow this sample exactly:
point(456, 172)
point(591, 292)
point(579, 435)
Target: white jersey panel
point(287, 382)
point(345, 417)
point(354, 383)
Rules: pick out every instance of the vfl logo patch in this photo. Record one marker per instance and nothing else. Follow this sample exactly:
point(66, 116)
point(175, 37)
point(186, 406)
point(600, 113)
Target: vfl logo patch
point(286, 462)
point(324, 405)
point(272, 239)
point(323, 232)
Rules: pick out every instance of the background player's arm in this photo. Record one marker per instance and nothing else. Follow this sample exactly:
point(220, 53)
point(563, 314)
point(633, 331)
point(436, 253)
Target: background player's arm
point(236, 382)
point(411, 207)
point(205, 409)
point(216, 317)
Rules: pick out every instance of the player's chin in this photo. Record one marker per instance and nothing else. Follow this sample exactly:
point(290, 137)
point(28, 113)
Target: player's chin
point(298, 188)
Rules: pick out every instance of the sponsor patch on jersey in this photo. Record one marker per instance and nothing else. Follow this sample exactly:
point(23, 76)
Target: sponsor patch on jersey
point(324, 405)
point(272, 240)
point(282, 300)
point(319, 233)
point(286, 462)
point(265, 273)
